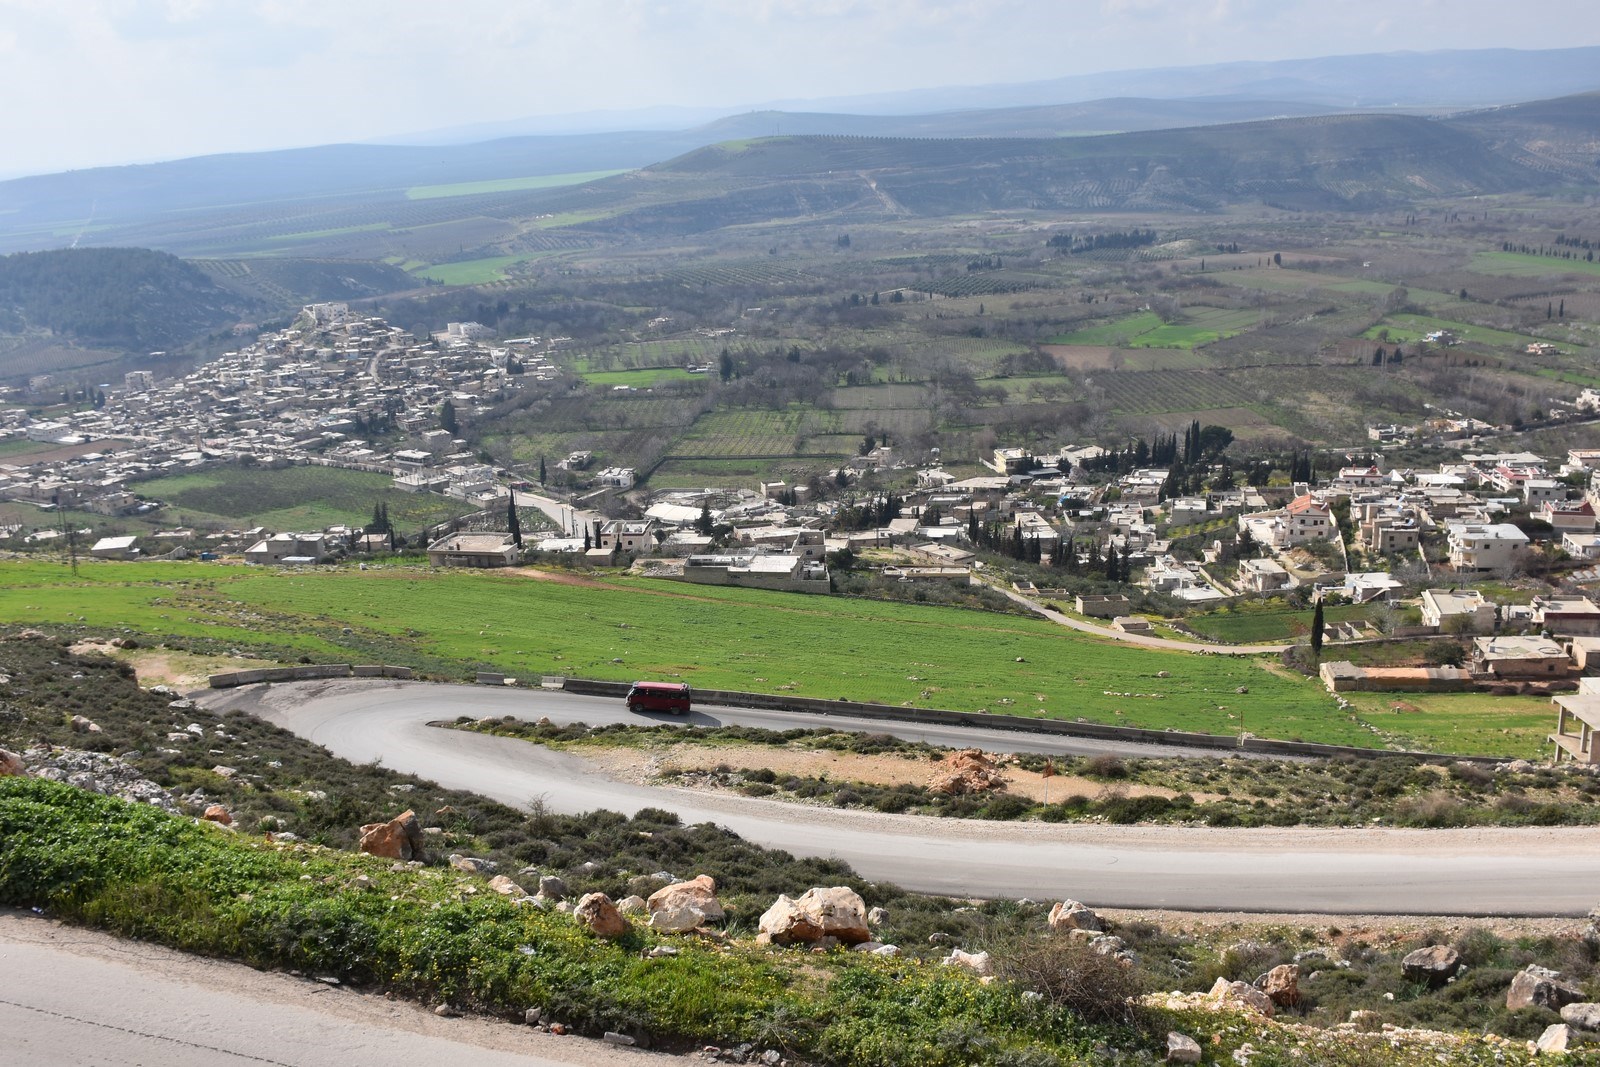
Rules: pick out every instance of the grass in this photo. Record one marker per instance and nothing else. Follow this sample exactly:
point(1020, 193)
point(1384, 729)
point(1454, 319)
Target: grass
point(507, 185)
point(718, 638)
point(294, 498)
point(1460, 722)
point(314, 235)
point(1258, 627)
point(1200, 326)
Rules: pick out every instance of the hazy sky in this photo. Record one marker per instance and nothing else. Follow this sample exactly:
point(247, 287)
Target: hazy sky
point(90, 82)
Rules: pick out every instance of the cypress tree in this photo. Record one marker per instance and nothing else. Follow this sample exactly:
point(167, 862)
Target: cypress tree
point(513, 523)
point(1317, 625)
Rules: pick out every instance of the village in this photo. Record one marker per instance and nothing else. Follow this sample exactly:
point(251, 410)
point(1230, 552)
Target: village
point(1130, 543)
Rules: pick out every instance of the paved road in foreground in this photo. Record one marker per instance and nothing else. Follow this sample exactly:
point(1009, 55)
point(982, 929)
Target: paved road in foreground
point(70, 996)
point(1489, 871)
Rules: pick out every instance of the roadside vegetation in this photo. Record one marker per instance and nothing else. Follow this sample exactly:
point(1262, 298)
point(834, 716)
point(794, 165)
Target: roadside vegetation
point(1226, 791)
point(301, 899)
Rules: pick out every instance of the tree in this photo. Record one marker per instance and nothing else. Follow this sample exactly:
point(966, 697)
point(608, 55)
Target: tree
point(447, 418)
point(703, 525)
point(1317, 625)
point(725, 366)
point(513, 523)
point(541, 470)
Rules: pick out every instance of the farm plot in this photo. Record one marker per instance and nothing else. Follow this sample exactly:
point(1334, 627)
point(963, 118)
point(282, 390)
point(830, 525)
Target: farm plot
point(1199, 326)
point(1410, 328)
point(985, 284)
point(750, 434)
point(1154, 392)
point(1517, 265)
point(506, 185)
point(295, 498)
point(736, 276)
point(643, 378)
point(1103, 357)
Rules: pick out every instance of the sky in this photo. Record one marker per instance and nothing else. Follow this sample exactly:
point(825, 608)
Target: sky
point(95, 82)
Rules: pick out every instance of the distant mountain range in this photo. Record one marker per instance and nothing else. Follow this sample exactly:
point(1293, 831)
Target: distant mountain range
point(1193, 154)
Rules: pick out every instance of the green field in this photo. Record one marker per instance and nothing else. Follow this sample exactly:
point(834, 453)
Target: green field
point(913, 655)
point(1200, 326)
point(1517, 265)
point(642, 378)
point(294, 498)
point(507, 185)
point(338, 231)
point(1260, 627)
point(472, 271)
point(1410, 328)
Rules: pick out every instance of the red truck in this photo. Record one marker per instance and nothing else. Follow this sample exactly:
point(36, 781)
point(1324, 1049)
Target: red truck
point(659, 696)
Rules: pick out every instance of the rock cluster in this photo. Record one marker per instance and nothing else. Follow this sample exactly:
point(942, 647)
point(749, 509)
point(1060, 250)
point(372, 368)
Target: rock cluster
point(1240, 996)
point(685, 906)
point(1434, 965)
point(964, 772)
point(398, 839)
point(1071, 915)
point(1281, 985)
point(1535, 985)
point(98, 773)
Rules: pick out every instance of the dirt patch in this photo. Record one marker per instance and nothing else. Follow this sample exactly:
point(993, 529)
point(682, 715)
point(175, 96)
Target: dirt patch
point(1080, 357)
point(558, 577)
point(647, 766)
point(163, 666)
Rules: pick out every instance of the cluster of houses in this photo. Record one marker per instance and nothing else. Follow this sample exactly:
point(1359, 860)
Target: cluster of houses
point(311, 393)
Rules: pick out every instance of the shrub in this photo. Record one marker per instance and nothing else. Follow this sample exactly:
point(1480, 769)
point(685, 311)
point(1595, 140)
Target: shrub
point(1069, 974)
point(1105, 766)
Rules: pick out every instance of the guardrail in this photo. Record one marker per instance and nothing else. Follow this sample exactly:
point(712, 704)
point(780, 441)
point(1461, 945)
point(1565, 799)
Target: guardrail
point(1020, 724)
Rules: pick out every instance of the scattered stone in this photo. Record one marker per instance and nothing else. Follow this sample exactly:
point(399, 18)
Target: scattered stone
point(632, 905)
point(965, 772)
point(1366, 1021)
point(661, 951)
point(472, 864)
point(552, 888)
point(1557, 1037)
point(1434, 965)
point(1281, 985)
point(685, 906)
point(224, 772)
point(445, 1011)
point(558, 1029)
point(1226, 994)
point(533, 1016)
point(1541, 986)
point(364, 883)
point(1071, 915)
point(938, 937)
point(1242, 689)
point(81, 725)
point(599, 916)
point(877, 917)
point(1583, 1015)
point(506, 887)
point(398, 839)
point(11, 764)
point(613, 1038)
point(100, 773)
point(1181, 1048)
point(218, 814)
point(979, 963)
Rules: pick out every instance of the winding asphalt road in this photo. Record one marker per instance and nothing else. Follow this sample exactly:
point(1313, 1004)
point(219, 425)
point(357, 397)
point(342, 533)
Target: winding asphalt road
point(1489, 871)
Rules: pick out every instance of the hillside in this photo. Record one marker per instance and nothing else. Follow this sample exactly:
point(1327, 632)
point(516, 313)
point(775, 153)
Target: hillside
point(128, 299)
point(1560, 136)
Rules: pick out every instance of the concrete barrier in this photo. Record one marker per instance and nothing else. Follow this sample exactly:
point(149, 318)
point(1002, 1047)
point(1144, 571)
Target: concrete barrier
point(232, 679)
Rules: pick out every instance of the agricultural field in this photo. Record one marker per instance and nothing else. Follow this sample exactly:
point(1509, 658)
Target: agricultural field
point(471, 271)
point(1248, 627)
point(1518, 265)
point(1199, 326)
point(292, 498)
point(643, 378)
point(915, 655)
point(1408, 329)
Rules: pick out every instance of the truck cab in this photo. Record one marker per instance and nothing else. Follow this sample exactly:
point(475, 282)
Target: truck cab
point(671, 697)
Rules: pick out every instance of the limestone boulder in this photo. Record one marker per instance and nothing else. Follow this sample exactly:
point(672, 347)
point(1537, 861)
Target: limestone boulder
point(472, 864)
point(1181, 1048)
point(552, 887)
point(1582, 1016)
point(81, 725)
point(598, 915)
point(1281, 985)
point(398, 839)
point(506, 887)
point(787, 923)
point(218, 814)
point(979, 963)
point(684, 906)
point(632, 905)
point(1558, 1037)
point(1542, 987)
point(11, 764)
point(1433, 966)
point(1241, 996)
point(1071, 915)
